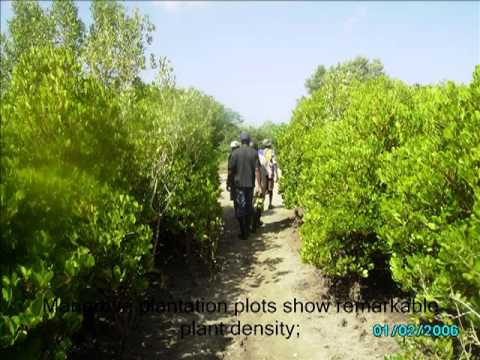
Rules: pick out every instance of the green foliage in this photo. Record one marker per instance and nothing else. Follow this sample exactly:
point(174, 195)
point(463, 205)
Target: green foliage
point(360, 68)
point(431, 209)
point(114, 48)
point(69, 30)
point(314, 82)
point(229, 129)
point(64, 215)
point(179, 158)
point(295, 142)
point(232, 124)
point(30, 27)
point(267, 130)
point(381, 168)
point(336, 180)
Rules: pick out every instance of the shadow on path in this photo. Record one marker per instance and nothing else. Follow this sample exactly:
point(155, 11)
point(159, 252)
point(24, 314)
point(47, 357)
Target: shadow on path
point(158, 335)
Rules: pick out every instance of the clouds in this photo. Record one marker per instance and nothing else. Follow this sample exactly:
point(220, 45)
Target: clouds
point(175, 6)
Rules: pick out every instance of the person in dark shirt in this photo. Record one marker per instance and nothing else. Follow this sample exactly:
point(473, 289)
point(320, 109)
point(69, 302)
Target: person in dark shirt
point(244, 169)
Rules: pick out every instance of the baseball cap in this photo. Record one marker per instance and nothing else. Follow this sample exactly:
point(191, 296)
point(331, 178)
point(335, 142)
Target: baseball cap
point(244, 136)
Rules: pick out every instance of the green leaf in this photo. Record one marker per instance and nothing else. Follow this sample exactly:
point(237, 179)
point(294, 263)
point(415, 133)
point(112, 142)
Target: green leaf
point(37, 306)
point(7, 294)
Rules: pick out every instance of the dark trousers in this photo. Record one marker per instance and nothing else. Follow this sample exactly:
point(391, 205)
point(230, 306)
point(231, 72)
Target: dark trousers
point(244, 208)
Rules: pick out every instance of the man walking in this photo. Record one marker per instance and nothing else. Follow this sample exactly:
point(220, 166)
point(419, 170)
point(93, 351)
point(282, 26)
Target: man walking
point(272, 169)
point(244, 169)
point(260, 196)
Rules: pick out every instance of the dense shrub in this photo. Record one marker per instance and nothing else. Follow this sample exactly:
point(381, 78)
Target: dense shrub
point(335, 174)
point(64, 213)
point(385, 169)
point(430, 212)
point(179, 157)
point(86, 170)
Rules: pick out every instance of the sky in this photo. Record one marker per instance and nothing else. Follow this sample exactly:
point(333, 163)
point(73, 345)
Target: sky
point(254, 57)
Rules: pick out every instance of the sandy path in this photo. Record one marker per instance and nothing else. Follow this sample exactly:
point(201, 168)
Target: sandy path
point(265, 267)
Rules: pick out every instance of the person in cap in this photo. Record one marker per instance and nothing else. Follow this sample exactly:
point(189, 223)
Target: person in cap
point(270, 164)
point(230, 184)
point(244, 168)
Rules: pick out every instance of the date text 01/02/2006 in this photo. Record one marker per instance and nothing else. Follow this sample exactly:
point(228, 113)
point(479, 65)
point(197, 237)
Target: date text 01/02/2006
point(406, 330)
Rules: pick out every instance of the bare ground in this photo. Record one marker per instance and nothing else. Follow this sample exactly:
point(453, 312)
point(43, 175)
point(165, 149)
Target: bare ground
point(265, 267)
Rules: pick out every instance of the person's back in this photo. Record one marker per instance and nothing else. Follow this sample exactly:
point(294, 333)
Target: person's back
point(259, 196)
point(271, 165)
point(244, 167)
point(243, 162)
point(269, 161)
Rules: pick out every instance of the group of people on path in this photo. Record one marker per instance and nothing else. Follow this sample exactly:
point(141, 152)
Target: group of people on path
point(252, 173)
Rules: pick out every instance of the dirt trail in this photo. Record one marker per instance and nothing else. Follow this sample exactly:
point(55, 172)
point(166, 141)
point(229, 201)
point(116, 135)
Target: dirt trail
point(265, 267)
